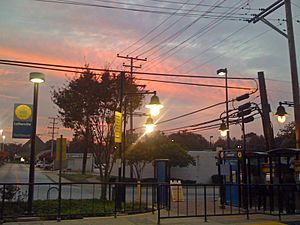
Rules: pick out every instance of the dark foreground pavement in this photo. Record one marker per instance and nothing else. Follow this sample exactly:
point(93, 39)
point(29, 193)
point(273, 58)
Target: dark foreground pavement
point(150, 219)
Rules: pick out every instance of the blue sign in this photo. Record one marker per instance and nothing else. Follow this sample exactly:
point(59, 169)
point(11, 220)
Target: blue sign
point(22, 124)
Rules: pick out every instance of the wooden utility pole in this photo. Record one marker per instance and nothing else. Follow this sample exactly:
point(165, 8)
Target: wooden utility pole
point(53, 127)
point(265, 107)
point(131, 66)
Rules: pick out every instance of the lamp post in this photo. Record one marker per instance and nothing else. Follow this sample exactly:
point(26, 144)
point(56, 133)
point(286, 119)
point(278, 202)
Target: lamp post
point(36, 78)
point(281, 114)
point(223, 72)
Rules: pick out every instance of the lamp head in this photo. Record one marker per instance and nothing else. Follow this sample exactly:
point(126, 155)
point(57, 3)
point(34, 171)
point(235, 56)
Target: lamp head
point(222, 72)
point(37, 77)
point(149, 125)
point(154, 105)
point(281, 114)
point(223, 129)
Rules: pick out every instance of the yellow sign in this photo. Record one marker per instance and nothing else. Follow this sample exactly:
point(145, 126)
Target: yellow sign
point(176, 191)
point(118, 127)
point(23, 112)
point(61, 142)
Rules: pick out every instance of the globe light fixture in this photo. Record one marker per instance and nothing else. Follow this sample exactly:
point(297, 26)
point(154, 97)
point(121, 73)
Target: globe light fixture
point(223, 129)
point(154, 105)
point(149, 125)
point(281, 114)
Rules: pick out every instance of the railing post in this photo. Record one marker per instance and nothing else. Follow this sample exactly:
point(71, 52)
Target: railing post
point(205, 205)
point(279, 201)
point(2, 205)
point(158, 204)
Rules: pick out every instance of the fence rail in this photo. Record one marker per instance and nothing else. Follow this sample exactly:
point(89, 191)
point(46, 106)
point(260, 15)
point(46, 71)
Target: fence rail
point(77, 199)
point(201, 200)
point(170, 200)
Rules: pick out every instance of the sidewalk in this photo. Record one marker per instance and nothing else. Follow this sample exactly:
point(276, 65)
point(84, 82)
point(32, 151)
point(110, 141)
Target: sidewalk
point(150, 219)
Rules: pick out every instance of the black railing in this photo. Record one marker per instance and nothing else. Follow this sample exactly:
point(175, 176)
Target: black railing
point(170, 200)
point(201, 200)
point(77, 199)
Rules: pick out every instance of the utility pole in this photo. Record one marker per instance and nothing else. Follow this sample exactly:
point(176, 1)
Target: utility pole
point(266, 109)
point(53, 128)
point(132, 59)
point(292, 53)
point(131, 66)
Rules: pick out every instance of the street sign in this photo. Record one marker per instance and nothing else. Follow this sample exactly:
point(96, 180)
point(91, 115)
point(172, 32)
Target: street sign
point(22, 121)
point(64, 148)
point(118, 127)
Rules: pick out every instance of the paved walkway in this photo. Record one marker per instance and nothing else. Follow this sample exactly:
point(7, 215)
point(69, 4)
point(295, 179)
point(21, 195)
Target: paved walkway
point(150, 219)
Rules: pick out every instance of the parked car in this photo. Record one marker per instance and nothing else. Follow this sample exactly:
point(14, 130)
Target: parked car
point(48, 166)
point(39, 164)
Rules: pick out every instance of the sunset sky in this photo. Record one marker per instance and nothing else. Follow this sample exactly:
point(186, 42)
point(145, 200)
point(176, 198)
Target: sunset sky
point(194, 37)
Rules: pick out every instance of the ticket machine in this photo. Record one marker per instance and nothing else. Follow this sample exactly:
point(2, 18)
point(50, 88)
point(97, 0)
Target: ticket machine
point(230, 170)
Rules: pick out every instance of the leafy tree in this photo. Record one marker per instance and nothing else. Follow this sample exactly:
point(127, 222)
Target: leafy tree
point(255, 142)
point(190, 140)
point(87, 105)
point(286, 136)
point(157, 146)
point(78, 101)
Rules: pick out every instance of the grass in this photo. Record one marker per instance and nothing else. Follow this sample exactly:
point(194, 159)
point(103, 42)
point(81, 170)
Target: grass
point(77, 177)
point(82, 207)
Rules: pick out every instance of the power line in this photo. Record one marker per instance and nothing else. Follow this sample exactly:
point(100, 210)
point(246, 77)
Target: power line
point(163, 31)
point(67, 68)
point(75, 3)
point(195, 84)
point(179, 32)
point(225, 53)
point(195, 36)
point(152, 30)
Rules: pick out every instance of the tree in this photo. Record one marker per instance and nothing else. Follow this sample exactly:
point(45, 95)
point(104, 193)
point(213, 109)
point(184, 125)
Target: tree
point(286, 136)
point(78, 101)
point(157, 146)
point(87, 104)
point(190, 141)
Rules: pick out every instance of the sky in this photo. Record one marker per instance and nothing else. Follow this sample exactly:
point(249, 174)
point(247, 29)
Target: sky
point(177, 37)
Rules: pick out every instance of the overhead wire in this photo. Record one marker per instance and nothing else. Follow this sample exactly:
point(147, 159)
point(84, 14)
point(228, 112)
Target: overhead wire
point(152, 30)
point(179, 32)
point(76, 3)
point(195, 36)
point(163, 31)
point(227, 52)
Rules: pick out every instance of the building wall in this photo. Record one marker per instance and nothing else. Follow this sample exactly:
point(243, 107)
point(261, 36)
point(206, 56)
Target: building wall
point(74, 162)
point(203, 170)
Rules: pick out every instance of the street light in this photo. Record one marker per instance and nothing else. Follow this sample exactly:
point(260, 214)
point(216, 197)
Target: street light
point(149, 125)
point(223, 129)
point(154, 105)
point(36, 78)
point(281, 114)
point(223, 72)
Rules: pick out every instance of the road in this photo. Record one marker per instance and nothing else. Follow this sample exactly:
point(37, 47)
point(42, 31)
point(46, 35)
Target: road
point(19, 173)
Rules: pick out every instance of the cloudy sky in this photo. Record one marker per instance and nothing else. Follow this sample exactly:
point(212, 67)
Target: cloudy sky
point(194, 37)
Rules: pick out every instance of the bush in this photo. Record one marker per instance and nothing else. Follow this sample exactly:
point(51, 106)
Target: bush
point(10, 192)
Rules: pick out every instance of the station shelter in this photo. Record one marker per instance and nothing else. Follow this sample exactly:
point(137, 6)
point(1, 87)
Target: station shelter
point(261, 180)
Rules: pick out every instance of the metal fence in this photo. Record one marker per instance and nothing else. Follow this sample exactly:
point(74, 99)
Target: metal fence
point(170, 200)
point(200, 200)
point(76, 199)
